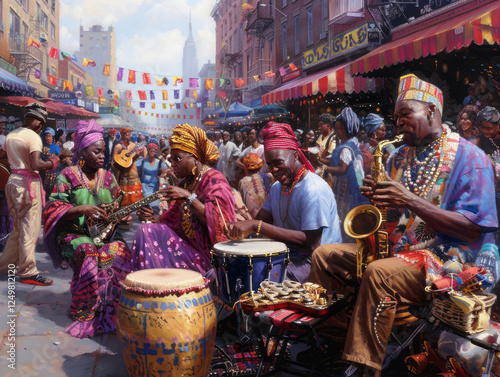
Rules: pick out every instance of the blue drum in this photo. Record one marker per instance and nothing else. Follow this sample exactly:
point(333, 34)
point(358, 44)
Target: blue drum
point(240, 266)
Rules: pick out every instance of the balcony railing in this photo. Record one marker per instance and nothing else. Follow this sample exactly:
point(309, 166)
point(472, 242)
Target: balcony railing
point(18, 44)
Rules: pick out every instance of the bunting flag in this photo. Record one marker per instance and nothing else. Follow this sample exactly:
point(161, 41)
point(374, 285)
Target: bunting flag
point(74, 58)
point(142, 95)
point(105, 69)
point(269, 74)
point(177, 80)
point(185, 105)
point(292, 66)
point(54, 53)
point(139, 112)
point(176, 93)
point(66, 55)
point(131, 76)
point(209, 103)
point(153, 105)
point(117, 104)
point(34, 42)
point(222, 95)
point(128, 103)
point(52, 80)
point(282, 71)
point(38, 74)
point(193, 83)
point(100, 92)
point(146, 79)
point(191, 117)
point(164, 105)
point(209, 84)
point(178, 106)
point(152, 95)
point(164, 94)
point(195, 94)
point(159, 81)
point(142, 105)
point(186, 93)
point(238, 83)
point(102, 100)
point(88, 63)
point(256, 78)
point(67, 86)
point(116, 94)
point(128, 95)
point(222, 82)
point(89, 90)
point(119, 75)
point(172, 106)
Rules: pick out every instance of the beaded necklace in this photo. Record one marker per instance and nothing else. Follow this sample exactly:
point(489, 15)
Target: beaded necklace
point(423, 168)
point(95, 191)
point(289, 194)
point(190, 185)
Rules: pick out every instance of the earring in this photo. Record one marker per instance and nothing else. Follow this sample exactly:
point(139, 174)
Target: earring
point(82, 163)
point(194, 170)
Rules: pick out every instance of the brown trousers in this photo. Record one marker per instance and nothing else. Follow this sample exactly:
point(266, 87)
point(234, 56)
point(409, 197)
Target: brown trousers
point(386, 283)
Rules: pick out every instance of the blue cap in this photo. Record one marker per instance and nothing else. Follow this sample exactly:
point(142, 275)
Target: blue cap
point(49, 130)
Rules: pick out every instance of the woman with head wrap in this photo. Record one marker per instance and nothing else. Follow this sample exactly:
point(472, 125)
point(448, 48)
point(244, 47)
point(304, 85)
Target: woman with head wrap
point(98, 268)
point(185, 233)
point(375, 128)
point(347, 165)
point(150, 169)
point(254, 186)
point(128, 176)
point(468, 126)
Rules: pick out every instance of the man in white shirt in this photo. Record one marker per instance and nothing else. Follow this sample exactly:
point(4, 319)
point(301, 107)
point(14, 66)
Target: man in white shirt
point(255, 147)
point(229, 152)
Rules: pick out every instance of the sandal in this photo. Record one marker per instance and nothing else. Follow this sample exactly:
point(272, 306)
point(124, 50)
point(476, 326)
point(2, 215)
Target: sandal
point(36, 280)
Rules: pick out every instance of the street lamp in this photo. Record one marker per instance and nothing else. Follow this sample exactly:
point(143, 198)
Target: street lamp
point(276, 9)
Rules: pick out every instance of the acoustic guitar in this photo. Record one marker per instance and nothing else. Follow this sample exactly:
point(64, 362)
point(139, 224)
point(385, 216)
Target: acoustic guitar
point(125, 158)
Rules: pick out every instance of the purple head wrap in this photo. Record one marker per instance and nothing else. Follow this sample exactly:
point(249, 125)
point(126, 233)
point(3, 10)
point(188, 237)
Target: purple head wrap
point(86, 134)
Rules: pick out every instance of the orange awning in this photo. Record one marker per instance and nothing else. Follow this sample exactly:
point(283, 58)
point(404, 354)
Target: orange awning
point(481, 26)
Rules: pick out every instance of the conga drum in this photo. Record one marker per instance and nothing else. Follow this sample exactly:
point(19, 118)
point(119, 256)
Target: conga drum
point(4, 173)
point(166, 323)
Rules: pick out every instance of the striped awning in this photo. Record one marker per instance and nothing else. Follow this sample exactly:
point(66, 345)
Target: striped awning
point(481, 26)
point(336, 79)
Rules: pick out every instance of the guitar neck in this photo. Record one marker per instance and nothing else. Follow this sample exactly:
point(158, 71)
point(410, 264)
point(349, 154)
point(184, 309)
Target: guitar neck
point(125, 211)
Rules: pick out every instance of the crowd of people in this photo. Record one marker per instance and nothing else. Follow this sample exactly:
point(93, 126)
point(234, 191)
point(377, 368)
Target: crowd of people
point(292, 186)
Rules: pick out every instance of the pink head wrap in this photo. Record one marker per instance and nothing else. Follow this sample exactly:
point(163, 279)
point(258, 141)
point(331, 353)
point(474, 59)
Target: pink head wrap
point(86, 134)
point(281, 136)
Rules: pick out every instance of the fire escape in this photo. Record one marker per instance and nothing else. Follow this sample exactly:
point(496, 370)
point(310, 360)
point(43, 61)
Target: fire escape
point(24, 57)
point(259, 23)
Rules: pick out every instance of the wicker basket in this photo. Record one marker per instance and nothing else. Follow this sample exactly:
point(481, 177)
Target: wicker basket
point(448, 312)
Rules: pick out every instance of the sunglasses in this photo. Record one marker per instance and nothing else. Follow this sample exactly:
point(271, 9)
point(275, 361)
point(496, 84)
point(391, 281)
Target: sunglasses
point(177, 159)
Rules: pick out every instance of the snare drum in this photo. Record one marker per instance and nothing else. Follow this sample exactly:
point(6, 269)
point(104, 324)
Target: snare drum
point(240, 266)
point(166, 323)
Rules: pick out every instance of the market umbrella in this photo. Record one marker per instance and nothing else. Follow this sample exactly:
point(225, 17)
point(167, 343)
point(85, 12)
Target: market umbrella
point(236, 109)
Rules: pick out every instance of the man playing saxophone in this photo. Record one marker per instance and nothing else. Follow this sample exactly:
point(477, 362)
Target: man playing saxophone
point(437, 191)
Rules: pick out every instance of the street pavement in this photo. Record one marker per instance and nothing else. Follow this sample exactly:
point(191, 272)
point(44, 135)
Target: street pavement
point(42, 348)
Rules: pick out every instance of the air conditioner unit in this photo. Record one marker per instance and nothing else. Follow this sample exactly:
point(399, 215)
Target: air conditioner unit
point(43, 37)
point(78, 94)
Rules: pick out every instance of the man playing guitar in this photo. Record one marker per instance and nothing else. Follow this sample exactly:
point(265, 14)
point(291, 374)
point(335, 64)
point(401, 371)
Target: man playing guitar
point(128, 178)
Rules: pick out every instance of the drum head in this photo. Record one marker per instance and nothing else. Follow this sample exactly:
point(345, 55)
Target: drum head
point(250, 247)
point(161, 279)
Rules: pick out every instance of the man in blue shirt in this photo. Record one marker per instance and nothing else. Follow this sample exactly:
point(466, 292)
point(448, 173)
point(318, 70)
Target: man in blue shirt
point(53, 149)
point(300, 209)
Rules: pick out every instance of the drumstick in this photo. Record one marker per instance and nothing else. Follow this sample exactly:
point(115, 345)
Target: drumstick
point(220, 210)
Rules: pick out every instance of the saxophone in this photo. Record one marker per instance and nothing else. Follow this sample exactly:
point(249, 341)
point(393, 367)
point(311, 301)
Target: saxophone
point(366, 223)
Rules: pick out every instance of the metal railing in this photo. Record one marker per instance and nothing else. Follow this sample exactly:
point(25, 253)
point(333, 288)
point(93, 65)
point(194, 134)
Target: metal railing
point(18, 44)
point(259, 67)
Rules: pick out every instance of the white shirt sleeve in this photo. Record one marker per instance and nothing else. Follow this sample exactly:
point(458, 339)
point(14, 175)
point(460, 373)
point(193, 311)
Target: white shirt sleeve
point(346, 156)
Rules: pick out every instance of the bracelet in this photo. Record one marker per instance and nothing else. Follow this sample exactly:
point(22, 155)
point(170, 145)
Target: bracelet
point(258, 228)
point(191, 199)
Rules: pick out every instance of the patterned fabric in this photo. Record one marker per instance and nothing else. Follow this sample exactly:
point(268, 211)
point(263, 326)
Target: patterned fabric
point(281, 136)
point(86, 134)
point(350, 121)
point(411, 87)
point(149, 175)
point(130, 182)
point(371, 123)
point(465, 184)
point(98, 269)
point(194, 140)
point(166, 244)
point(254, 189)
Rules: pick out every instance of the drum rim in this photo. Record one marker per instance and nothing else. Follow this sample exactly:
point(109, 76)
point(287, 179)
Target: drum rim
point(284, 252)
point(194, 279)
point(283, 248)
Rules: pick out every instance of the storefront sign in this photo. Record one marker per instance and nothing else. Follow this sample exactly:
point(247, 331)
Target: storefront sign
point(292, 75)
point(61, 95)
point(91, 106)
point(75, 102)
point(360, 37)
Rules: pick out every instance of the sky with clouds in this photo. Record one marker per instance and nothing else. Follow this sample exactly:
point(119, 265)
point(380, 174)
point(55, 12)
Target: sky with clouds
point(150, 34)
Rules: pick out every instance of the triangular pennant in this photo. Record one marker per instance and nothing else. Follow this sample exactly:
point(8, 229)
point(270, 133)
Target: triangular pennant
point(105, 69)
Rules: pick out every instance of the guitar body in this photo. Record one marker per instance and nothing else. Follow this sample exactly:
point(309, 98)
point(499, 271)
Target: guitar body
point(96, 228)
point(125, 159)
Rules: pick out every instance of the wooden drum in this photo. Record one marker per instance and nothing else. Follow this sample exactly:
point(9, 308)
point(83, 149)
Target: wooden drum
point(166, 323)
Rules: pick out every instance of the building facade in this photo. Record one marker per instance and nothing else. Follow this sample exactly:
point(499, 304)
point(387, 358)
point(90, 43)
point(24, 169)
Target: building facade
point(99, 44)
point(38, 19)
